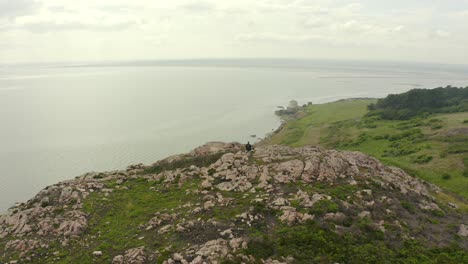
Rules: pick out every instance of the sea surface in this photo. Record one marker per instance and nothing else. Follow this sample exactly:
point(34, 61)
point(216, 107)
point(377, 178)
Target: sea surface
point(60, 121)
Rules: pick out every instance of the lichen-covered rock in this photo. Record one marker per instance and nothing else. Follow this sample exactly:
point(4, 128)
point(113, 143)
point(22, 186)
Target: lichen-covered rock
point(131, 256)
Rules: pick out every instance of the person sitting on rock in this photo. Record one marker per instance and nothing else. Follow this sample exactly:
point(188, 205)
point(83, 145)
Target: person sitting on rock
point(248, 147)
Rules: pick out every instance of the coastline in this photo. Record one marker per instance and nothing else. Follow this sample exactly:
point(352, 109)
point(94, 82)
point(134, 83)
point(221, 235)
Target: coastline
point(285, 121)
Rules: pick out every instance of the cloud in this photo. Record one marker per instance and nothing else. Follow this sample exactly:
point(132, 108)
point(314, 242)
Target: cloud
point(440, 33)
point(220, 28)
point(48, 26)
point(198, 7)
point(14, 8)
point(315, 22)
point(63, 18)
point(272, 37)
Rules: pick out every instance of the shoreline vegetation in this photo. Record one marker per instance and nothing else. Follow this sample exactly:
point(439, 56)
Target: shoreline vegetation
point(278, 204)
point(431, 144)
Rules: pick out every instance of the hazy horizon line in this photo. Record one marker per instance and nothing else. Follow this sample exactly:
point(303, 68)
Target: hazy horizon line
point(234, 62)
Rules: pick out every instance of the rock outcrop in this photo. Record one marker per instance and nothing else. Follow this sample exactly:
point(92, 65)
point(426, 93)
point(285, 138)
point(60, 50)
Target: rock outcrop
point(224, 201)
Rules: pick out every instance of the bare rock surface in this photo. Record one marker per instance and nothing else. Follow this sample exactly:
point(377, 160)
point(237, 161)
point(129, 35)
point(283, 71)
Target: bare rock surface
point(270, 187)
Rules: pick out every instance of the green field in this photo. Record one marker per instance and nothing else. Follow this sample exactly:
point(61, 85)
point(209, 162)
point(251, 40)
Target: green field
point(433, 148)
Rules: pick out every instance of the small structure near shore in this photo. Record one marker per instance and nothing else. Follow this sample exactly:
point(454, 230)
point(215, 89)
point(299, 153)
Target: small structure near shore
point(291, 110)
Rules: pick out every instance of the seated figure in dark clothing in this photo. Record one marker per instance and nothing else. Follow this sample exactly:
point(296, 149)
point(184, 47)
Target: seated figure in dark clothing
point(248, 147)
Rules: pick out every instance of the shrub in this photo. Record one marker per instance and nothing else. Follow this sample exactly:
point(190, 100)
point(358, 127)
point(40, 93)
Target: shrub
point(446, 176)
point(421, 102)
point(211, 172)
point(409, 134)
point(421, 159)
point(324, 206)
point(400, 148)
point(262, 247)
point(99, 176)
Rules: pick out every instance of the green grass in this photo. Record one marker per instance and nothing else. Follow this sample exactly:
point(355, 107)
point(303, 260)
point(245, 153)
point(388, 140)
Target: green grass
point(418, 146)
point(115, 220)
point(310, 243)
point(309, 129)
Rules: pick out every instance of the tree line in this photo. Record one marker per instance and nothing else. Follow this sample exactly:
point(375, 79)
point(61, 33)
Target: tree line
point(421, 102)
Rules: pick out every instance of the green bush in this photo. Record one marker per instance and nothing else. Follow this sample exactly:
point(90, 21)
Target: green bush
point(465, 173)
point(409, 135)
point(421, 159)
point(435, 120)
point(400, 148)
point(261, 248)
point(421, 102)
point(324, 206)
point(446, 176)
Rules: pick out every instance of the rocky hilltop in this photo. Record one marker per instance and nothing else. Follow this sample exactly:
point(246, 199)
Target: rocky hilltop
point(219, 204)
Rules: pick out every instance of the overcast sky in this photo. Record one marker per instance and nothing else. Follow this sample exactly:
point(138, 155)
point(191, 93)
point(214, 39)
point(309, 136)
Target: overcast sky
point(96, 30)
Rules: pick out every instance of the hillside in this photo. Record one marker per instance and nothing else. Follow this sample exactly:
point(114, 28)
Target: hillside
point(219, 204)
point(421, 102)
point(432, 147)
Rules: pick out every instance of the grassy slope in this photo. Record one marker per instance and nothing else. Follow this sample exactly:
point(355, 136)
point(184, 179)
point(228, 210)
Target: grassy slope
point(309, 129)
point(342, 125)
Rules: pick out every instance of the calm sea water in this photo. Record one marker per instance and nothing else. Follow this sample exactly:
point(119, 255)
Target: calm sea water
point(59, 122)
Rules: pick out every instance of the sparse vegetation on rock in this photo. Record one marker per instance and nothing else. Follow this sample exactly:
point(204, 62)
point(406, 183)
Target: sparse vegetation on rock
point(219, 204)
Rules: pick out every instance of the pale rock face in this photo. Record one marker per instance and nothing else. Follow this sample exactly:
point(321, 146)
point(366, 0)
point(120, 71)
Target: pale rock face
point(208, 205)
point(364, 214)
point(131, 256)
point(177, 257)
point(280, 202)
point(74, 227)
point(239, 184)
point(425, 205)
point(308, 201)
point(66, 193)
point(206, 184)
point(214, 147)
point(18, 223)
point(228, 158)
point(118, 259)
point(165, 229)
point(264, 178)
point(291, 216)
point(197, 260)
point(232, 172)
point(213, 247)
point(463, 230)
point(311, 169)
point(160, 219)
point(289, 171)
point(22, 245)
